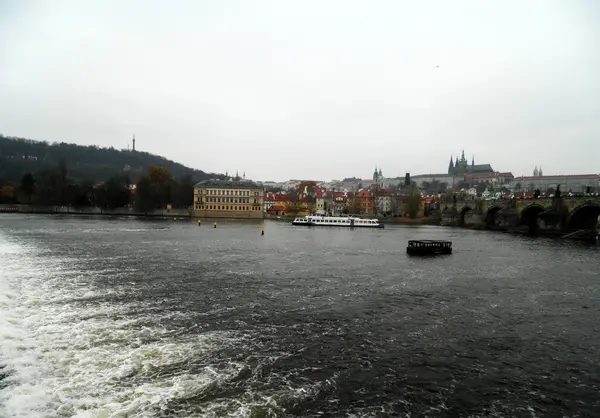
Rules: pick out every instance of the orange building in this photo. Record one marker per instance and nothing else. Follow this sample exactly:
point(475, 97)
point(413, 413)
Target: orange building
point(365, 199)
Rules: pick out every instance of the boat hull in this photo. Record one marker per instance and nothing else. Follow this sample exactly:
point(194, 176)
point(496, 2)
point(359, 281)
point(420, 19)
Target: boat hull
point(413, 251)
point(380, 226)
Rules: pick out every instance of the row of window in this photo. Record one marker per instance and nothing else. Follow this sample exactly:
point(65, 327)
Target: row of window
point(227, 207)
point(218, 192)
point(228, 200)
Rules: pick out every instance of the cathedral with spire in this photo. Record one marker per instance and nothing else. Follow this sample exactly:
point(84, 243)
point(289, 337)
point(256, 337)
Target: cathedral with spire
point(462, 166)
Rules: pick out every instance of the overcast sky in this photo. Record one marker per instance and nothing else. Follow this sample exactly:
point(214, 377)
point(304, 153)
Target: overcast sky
point(310, 89)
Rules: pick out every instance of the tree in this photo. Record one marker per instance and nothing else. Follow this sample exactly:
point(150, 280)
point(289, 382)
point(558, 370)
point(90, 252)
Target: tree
point(550, 190)
point(114, 193)
point(413, 203)
point(480, 188)
point(7, 194)
point(28, 186)
point(184, 192)
point(462, 185)
point(518, 187)
point(21, 156)
point(155, 190)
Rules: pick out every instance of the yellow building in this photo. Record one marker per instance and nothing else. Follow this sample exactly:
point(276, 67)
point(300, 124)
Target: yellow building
point(228, 199)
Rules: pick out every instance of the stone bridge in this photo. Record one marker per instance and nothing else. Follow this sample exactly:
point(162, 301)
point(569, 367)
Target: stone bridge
point(566, 214)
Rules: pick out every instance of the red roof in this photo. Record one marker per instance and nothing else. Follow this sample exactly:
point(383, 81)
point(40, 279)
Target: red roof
point(363, 193)
point(276, 208)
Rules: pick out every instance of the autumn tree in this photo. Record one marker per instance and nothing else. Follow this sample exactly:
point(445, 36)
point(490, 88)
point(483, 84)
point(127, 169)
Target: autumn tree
point(7, 194)
point(155, 189)
point(413, 202)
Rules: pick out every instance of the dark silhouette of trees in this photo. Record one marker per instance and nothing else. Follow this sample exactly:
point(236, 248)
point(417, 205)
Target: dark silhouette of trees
point(7, 194)
point(27, 186)
point(413, 202)
point(20, 156)
point(156, 189)
point(114, 193)
point(56, 187)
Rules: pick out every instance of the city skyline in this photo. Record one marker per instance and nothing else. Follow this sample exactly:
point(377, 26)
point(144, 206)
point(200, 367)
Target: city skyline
point(312, 91)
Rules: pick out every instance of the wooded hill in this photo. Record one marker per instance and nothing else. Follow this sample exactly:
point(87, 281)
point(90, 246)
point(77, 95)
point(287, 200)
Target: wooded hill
point(19, 156)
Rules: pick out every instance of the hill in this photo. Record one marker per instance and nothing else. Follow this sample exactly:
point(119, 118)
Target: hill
point(19, 156)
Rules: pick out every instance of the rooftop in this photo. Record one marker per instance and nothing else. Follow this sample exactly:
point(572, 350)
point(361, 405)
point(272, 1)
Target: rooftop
point(239, 184)
point(559, 177)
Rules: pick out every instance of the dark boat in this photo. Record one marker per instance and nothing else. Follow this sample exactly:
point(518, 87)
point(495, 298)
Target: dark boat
point(429, 247)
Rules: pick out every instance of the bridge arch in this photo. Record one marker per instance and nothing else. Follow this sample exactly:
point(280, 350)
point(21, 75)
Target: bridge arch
point(463, 212)
point(490, 215)
point(584, 217)
point(529, 215)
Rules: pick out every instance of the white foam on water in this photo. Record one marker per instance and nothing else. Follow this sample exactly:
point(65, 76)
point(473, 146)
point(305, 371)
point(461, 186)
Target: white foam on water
point(64, 358)
point(69, 351)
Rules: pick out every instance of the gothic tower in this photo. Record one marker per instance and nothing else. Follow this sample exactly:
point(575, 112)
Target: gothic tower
point(451, 166)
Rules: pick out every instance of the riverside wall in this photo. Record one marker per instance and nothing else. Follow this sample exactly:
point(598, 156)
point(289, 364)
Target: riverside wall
point(69, 210)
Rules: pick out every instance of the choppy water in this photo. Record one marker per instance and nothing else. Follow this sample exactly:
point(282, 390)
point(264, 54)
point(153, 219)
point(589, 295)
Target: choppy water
point(123, 318)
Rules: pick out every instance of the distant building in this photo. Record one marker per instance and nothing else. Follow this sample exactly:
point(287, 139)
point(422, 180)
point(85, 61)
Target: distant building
point(449, 179)
point(228, 199)
point(365, 201)
point(576, 183)
point(383, 201)
point(462, 167)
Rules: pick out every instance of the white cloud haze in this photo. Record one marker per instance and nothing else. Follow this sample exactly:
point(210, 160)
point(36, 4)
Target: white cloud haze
point(312, 89)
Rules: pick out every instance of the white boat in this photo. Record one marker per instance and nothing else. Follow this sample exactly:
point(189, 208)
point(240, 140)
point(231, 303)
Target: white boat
point(344, 221)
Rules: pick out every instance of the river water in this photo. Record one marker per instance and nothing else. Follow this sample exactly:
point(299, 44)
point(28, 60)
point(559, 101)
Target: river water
point(108, 317)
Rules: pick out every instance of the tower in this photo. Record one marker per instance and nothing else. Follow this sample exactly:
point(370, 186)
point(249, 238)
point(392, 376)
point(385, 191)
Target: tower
point(535, 171)
point(451, 166)
point(473, 162)
point(540, 173)
point(133, 140)
point(463, 160)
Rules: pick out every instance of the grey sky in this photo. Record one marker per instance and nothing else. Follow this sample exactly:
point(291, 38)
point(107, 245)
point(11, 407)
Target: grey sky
point(311, 89)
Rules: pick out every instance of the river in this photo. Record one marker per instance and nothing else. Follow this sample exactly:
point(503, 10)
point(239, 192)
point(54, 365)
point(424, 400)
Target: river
point(104, 317)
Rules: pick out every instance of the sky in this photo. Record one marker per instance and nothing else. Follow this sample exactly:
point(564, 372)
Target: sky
point(313, 89)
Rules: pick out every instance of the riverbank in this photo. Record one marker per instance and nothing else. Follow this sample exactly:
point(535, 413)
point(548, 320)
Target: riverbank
point(67, 210)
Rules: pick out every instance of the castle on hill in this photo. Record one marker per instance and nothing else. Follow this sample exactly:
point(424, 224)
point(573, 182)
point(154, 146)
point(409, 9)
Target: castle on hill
point(462, 167)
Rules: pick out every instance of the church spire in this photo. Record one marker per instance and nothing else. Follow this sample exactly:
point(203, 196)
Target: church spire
point(473, 161)
point(451, 166)
point(535, 171)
